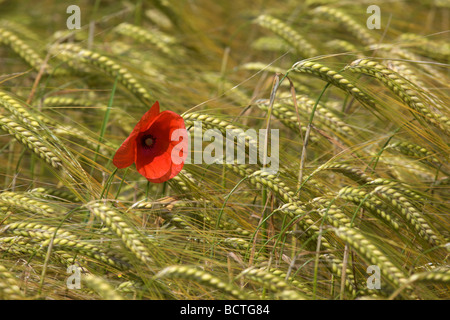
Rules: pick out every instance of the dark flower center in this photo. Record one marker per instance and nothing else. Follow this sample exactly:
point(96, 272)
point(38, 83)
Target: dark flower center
point(148, 141)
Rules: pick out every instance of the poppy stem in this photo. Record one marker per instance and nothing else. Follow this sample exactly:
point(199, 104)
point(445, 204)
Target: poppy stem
point(164, 188)
point(108, 183)
point(147, 190)
point(105, 121)
point(121, 183)
point(222, 209)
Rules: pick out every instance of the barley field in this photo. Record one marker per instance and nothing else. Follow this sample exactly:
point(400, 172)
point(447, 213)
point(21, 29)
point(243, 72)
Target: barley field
point(357, 206)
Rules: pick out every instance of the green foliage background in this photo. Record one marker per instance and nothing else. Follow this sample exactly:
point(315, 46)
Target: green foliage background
point(364, 146)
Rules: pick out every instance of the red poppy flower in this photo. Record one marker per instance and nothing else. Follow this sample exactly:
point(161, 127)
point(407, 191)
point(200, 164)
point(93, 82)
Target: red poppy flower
point(150, 145)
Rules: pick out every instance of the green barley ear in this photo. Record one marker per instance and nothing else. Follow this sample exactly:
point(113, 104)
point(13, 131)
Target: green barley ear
point(9, 287)
point(163, 42)
point(20, 29)
point(404, 69)
point(420, 153)
point(16, 108)
point(371, 203)
point(259, 66)
point(310, 226)
point(23, 50)
point(224, 126)
point(73, 131)
point(341, 45)
point(371, 254)
point(404, 90)
point(401, 187)
point(285, 111)
point(437, 50)
point(335, 216)
point(302, 287)
point(227, 88)
point(128, 287)
point(286, 116)
point(202, 277)
point(108, 66)
point(302, 46)
point(122, 228)
point(335, 15)
point(427, 67)
point(261, 178)
point(185, 182)
point(26, 202)
point(354, 174)
point(414, 218)
point(333, 77)
point(271, 44)
point(273, 283)
point(77, 134)
point(62, 239)
point(31, 131)
point(31, 140)
point(101, 287)
point(439, 275)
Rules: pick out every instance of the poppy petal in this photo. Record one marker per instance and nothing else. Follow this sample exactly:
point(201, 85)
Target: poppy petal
point(153, 157)
point(174, 170)
point(155, 162)
point(162, 167)
point(157, 168)
point(148, 118)
point(126, 155)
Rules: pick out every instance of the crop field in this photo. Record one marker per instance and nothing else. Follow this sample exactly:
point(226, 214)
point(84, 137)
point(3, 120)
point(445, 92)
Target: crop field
point(300, 150)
